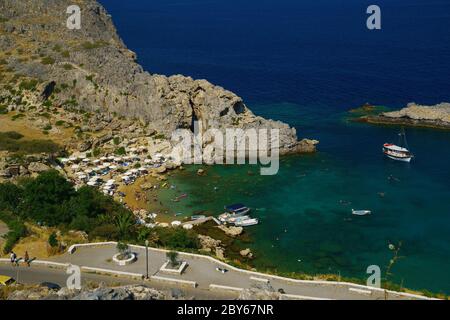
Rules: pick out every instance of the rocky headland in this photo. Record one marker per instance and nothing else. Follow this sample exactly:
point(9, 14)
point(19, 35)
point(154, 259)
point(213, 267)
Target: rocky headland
point(436, 116)
point(45, 68)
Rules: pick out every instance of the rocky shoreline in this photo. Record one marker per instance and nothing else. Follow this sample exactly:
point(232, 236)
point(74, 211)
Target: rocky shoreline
point(436, 116)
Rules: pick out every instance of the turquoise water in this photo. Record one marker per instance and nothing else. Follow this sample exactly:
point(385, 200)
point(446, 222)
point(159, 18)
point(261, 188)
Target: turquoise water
point(305, 210)
point(306, 63)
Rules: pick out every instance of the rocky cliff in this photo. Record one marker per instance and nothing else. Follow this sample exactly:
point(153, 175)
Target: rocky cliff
point(91, 69)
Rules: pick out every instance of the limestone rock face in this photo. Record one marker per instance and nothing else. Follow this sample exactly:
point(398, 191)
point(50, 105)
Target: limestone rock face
point(91, 69)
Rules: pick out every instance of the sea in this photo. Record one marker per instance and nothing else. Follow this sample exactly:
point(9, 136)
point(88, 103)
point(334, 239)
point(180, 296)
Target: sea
point(307, 63)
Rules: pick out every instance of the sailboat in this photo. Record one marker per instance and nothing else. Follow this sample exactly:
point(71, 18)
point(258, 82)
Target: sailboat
point(398, 152)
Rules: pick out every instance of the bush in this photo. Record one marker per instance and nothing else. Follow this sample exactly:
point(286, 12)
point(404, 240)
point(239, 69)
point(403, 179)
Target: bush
point(173, 258)
point(177, 238)
point(47, 60)
point(28, 85)
point(12, 141)
point(16, 228)
point(53, 240)
point(3, 109)
point(67, 66)
point(106, 232)
point(120, 151)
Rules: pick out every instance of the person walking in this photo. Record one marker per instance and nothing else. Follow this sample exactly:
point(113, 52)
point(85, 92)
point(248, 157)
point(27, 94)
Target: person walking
point(13, 258)
point(27, 258)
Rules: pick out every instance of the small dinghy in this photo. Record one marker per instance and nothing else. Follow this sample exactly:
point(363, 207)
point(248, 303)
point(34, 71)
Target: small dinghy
point(361, 212)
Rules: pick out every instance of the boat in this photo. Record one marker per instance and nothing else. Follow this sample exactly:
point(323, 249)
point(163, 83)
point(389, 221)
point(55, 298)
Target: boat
point(198, 217)
point(230, 218)
point(247, 222)
point(361, 212)
point(398, 152)
point(237, 209)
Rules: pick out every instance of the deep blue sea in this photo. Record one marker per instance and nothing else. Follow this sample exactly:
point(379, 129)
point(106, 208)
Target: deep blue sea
point(307, 63)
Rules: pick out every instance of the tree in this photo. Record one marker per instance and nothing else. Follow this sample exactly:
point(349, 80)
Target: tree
point(123, 249)
point(43, 196)
point(173, 258)
point(10, 196)
point(53, 240)
point(124, 220)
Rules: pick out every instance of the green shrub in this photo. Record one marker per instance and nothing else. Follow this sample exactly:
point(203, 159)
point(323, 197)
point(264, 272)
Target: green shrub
point(87, 45)
point(12, 141)
point(120, 151)
point(16, 228)
point(3, 109)
point(47, 60)
point(28, 85)
point(67, 66)
point(17, 116)
point(53, 240)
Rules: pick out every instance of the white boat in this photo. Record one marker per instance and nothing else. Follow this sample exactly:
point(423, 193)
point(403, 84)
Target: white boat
point(247, 223)
point(398, 152)
point(361, 212)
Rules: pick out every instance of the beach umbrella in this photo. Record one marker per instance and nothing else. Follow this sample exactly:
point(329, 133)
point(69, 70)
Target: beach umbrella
point(188, 226)
point(176, 223)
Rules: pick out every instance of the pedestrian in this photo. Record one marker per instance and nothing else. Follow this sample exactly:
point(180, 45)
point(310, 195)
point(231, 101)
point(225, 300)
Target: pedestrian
point(27, 258)
point(13, 257)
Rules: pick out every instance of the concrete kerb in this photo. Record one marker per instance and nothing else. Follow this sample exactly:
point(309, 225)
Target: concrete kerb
point(41, 262)
point(218, 287)
point(112, 272)
point(269, 276)
point(188, 283)
point(298, 297)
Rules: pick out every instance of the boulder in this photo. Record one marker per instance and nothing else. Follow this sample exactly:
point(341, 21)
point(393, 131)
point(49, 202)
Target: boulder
point(246, 253)
point(232, 231)
point(37, 167)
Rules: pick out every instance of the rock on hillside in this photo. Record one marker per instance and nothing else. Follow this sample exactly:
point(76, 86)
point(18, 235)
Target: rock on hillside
point(91, 69)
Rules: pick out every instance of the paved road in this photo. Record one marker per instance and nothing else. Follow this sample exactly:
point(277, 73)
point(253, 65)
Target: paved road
point(203, 271)
point(38, 274)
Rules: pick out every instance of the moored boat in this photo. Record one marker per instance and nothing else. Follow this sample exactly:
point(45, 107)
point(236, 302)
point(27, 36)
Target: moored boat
point(361, 212)
point(247, 222)
point(237, 209)
point(398, 152)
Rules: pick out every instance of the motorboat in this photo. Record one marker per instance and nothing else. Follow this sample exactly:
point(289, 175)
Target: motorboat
point(361, 212)
point(237, 209)
point(247, 222)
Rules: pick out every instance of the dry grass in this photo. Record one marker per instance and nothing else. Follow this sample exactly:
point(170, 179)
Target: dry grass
point(36, 243)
